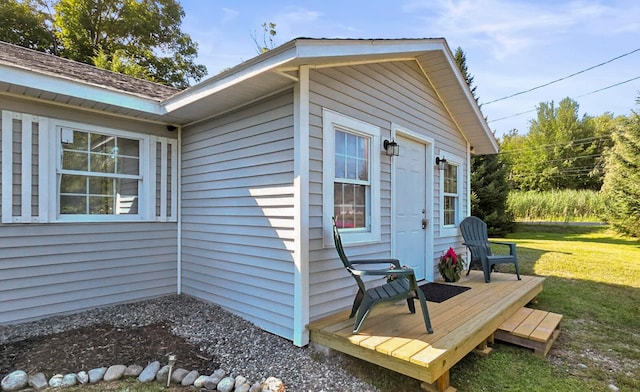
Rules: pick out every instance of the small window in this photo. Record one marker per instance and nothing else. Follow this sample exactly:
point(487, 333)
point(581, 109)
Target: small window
point(351, 178)
point(351, 187)
point(451, 195)
point(100, 174)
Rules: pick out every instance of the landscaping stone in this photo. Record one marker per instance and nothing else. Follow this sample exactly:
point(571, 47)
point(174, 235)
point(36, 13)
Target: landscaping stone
point(240, 380)
point(190, 378)
point(69, 380)
point(114, 372)
point(257, 387)
point(211, 383)
point(133, 371)
point(163, 375)
point(56, 381)
point(38, 381)
point(149, 373)
point(178, 375)
point(273, 384)
point(227, 384)
point(83, 377)
point(15, 381)
point(199, 382)
point(96, 375)
point(242, 387)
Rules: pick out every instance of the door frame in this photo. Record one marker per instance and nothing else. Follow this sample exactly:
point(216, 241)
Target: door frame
point(397, 130)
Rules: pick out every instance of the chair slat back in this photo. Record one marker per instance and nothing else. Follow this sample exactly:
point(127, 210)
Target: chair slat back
point(338, 242)
point(474, 232)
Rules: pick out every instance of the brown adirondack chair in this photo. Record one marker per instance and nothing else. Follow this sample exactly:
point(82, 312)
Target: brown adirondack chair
point(474, 232)
point(404, 286)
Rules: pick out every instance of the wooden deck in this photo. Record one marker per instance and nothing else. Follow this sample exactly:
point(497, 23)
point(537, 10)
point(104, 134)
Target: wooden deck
point(393, 338)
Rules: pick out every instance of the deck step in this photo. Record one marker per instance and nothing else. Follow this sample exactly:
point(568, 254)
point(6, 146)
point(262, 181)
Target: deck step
point(531, 328)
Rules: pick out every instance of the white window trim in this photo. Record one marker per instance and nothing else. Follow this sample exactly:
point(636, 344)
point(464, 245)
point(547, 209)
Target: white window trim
point(330, 120)
point(451, 230)
point(49, 162)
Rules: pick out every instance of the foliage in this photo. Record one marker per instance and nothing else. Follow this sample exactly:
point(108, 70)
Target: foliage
point(622, 181)
point(25, 24)
point(461, 60)
point(490, 189)
point(450, 266)
point(268, 34)
point(557, 205)
point(137, 33)
point(141, 38)
point(561, 151)
point(489, 186)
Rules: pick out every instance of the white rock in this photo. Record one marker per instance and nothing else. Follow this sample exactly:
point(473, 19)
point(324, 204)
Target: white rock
point(38, 381)
point(114, 372)
point(227, 384)
point(69, 380)
point(613, 388)
point(177, 375)
point(273, 384)
point(14, 381)
point(83, 377)
point(190, 378)
point(133, 371)
point(199, 382)
point(149, 373)
point(56, 381)
point(96, 375)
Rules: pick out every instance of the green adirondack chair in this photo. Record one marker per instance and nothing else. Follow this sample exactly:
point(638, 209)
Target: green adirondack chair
point(404, 286)
point(474, 232)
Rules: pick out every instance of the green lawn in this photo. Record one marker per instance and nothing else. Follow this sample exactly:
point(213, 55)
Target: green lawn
point(593, 279)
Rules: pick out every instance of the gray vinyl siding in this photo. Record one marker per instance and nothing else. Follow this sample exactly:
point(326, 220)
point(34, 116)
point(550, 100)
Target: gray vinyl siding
point(63, 268)
point(237, 213)
point(379, 94)
point(53, 268)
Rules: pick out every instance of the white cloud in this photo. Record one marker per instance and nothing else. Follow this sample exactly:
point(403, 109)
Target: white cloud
point(507, 27)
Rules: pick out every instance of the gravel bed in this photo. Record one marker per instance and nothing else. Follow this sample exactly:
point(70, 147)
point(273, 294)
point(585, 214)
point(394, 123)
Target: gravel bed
point(240, 347)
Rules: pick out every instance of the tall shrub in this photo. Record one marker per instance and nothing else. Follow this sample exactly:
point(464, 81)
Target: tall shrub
point(490, 190)
point(622, 179)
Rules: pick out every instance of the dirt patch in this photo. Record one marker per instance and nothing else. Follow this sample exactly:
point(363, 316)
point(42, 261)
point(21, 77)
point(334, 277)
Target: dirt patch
point(102, 345)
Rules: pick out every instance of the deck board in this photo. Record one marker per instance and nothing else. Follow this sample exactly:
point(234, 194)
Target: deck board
point(460, 324)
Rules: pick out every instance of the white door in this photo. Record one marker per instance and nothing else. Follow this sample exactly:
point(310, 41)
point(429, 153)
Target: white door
point(412, 226)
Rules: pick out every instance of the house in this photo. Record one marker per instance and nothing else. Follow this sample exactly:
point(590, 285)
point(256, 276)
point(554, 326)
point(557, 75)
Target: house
point(116, 189)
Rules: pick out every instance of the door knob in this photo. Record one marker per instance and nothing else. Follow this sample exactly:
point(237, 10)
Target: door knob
point(425, 222)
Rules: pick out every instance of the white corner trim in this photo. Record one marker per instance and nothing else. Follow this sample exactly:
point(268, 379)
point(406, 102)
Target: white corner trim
point(301, 208)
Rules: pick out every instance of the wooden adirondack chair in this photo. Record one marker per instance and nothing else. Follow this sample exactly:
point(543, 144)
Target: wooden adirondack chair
point(474, 232)
point(404, 286)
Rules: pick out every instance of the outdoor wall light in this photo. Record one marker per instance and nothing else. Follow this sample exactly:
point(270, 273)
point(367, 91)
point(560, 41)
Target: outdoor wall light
point(441, 162)
point(391, 147)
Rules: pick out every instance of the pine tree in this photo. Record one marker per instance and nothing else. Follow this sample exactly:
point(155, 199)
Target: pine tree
point(489, 186)
point(622, 179)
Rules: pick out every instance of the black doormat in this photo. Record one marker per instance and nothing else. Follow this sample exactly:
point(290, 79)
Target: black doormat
point(439, 292)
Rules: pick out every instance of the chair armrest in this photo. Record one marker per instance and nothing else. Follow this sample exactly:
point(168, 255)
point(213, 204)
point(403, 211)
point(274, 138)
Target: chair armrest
point(399, 272)
point(511, 245)
point(395, 262)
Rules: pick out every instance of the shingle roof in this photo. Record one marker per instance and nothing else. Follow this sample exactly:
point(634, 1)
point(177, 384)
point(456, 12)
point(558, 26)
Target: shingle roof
point(31, 60)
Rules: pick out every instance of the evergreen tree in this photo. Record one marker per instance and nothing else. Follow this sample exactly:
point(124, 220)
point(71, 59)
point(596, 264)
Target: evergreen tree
point(622, 179)
point(489, 186)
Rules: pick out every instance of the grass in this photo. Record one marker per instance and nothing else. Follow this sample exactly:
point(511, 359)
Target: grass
point(557, 206)
point(593, 279)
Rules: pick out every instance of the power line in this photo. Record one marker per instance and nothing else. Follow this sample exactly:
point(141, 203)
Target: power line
point(579, 96)
point(563, 78)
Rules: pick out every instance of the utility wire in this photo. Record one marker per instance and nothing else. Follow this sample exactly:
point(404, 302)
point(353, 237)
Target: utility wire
point(563, 78)
point(579, 96)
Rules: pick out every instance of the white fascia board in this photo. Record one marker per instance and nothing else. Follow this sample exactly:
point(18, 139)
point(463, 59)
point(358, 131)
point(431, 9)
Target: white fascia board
point(215, 85)
point(337, 48)
point(67, 87)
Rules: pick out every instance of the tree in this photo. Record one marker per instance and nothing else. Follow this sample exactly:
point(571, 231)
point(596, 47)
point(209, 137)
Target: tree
point(268, 35)
point(24, 24)
point(622, 179)
point(561, 151)
point(489, 185)
point(129, 35)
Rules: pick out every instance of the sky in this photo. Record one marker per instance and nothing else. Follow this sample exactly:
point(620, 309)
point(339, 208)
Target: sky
point(511, 46)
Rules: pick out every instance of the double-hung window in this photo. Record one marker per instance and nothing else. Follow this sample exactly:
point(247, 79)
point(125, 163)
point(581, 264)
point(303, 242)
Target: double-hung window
point(351, 178)
point(56, 170)
point(451, 195)
point(100, 174)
